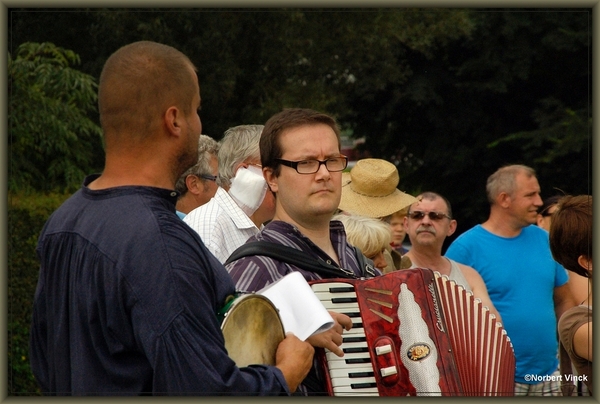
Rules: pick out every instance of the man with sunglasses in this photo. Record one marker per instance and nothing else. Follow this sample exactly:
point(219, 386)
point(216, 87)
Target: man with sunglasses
point(302, 164)
point(428, 222)
point(198, 184)
point(242, 203)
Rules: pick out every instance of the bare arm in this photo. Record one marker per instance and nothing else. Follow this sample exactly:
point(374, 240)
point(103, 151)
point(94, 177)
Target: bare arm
point(563, 299)
point(582, 341)
point(579, 286)
point(332, 338)
point(294, 359)
point(479, 289)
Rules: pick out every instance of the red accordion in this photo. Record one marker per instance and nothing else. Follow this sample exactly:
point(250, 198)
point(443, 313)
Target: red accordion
point(415, 333)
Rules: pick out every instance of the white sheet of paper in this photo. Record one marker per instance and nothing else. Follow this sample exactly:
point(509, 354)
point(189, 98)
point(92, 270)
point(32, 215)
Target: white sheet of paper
point(300, 310)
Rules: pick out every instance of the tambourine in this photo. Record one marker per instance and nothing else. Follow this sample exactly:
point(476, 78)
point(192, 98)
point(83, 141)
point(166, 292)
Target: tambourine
point(252, 330)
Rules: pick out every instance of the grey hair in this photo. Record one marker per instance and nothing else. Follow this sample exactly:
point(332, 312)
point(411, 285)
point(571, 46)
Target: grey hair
point(505, 180)
point(207, 147)
point(432, 196)
point(239, 144)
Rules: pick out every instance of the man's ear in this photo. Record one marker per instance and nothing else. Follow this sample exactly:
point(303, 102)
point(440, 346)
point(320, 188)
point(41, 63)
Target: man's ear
point(191, 182)
point(271, 179)
point(503, 199)
point(172, 121)
point(451, 227)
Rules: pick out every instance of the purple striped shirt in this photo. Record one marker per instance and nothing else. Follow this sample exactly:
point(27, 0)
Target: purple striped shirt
point(252, 273)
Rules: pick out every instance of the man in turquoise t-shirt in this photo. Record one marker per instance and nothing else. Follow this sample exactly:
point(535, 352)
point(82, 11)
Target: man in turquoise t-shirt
point(528, 288)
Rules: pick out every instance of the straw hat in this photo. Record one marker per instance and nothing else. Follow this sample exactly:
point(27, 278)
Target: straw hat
point(371, 190)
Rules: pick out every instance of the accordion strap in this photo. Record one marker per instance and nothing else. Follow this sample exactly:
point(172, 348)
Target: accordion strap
point(300, 259)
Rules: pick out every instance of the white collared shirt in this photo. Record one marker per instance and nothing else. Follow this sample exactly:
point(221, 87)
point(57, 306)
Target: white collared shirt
point(221, 224)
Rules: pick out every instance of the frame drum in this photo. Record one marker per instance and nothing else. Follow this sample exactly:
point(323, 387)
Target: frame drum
point(252, 330)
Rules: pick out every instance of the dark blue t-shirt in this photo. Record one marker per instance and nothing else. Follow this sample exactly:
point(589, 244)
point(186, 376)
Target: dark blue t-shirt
point(126, 302)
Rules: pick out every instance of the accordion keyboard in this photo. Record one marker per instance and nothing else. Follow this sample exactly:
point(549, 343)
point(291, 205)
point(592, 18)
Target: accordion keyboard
point(353, 373)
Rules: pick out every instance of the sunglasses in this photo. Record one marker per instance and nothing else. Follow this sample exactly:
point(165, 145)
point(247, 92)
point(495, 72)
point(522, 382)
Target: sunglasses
point(436, 216)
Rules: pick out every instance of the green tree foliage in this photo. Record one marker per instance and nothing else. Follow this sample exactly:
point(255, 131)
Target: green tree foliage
point(252, 63)
point(514, 91)
point(53, 142)
point(26, 216)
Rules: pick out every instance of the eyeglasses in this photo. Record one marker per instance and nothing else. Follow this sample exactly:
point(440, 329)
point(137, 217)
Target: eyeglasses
point(208, 177)
point(332, 164)
point(436, 216)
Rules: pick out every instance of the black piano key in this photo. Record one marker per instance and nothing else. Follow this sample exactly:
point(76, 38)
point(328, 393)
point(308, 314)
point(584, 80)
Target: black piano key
point(357, 360)
point(353, 315)
point(341, 289)
point(363, 385)
point(360, 374)
point(356, 350)
point(354, 339)
point(343, 300)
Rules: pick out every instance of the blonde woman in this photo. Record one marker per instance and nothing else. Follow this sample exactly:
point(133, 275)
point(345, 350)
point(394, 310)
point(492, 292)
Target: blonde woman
point(369, 235)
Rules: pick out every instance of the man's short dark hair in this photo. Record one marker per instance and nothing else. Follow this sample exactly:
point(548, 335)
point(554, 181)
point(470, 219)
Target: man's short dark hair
point(270, 147)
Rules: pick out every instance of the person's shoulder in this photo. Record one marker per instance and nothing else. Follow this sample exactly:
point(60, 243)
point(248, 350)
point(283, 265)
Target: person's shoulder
point(276, 231)
point(202, 214)
point(535, 231)
point(468, 271)
point(574, 316)
point(469, 234)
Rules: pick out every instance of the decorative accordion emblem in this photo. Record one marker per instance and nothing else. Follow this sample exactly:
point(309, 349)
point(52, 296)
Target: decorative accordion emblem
point(418, 351)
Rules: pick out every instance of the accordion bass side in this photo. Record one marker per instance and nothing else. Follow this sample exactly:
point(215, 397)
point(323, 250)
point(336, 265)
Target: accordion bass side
point(415, 333)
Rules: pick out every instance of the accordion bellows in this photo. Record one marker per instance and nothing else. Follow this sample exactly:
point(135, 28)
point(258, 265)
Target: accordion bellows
point(415, 333)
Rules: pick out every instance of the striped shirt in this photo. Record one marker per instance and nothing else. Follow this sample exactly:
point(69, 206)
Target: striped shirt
point(252, 273)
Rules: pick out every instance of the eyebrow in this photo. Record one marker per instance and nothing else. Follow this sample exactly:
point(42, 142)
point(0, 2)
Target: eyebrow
point(314, 157)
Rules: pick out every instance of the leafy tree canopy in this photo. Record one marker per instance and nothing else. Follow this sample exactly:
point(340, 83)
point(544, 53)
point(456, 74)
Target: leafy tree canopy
point(52, 140)
point(448, 95)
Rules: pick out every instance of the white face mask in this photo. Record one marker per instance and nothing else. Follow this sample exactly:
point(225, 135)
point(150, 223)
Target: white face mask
point(248, 188)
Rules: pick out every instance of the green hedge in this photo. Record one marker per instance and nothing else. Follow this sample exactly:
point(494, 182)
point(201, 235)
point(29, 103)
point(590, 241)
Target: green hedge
point(26, 217)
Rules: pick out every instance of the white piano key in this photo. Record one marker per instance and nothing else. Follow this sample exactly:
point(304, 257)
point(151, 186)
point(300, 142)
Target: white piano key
point(350, 307)
point(357, 331)
point(371, 391)
point(341, 364)
point(346, 381)
point(362, 344)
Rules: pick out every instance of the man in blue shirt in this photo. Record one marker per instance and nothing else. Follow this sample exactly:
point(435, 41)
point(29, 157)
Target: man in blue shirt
point(528, 288)
point(127, 296)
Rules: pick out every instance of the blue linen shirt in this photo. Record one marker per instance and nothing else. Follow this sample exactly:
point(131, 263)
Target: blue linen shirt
point(126, 303)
